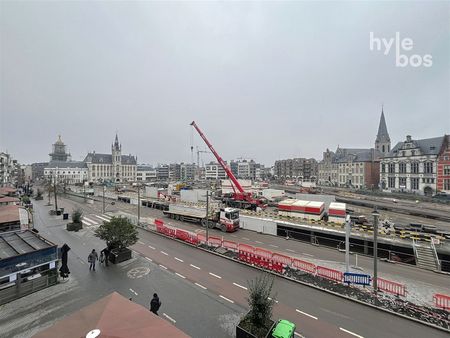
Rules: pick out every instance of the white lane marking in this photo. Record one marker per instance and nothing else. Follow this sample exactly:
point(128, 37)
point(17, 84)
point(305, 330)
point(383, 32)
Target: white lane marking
point(81, 260)
point(179, 260)
point(134, 292)
point(203, 287)
point(306, 314)
point(151, 247)
point(85, 222)
point(350, 332)
point(307, 254)
point(259, 242)
point(273, 300)
point(180, 275)
point(273, 246)
point(213, 274)
point(240, 286)
point(140, 242)
point(164, 253)
point(290, 250)
point(169, 318)
point(194, 266)
point(247, 239)
point(233, 236)
point(162, 266)
point(149, 259)
point(91, 221)
point(103, 218)
point(299, 335)
point(227, 299)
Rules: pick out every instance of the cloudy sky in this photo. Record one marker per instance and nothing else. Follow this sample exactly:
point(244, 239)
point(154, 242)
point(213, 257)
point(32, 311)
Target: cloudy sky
point(263, 80)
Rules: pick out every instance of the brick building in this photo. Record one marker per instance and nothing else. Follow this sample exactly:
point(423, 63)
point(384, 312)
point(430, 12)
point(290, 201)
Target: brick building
point(443, 167)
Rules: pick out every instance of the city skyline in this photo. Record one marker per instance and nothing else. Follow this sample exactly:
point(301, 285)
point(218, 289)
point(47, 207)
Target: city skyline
point(285, 86)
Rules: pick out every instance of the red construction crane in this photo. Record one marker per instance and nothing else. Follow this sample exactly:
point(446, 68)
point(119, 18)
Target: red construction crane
point(241, 195)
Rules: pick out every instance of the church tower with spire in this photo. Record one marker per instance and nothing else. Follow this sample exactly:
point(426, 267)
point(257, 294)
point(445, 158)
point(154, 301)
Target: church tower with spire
point(383, 142)
point(116, 151)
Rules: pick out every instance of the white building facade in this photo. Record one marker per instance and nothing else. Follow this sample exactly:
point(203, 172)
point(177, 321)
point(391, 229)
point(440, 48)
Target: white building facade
point(145, 173)
point(411, 166)
point(66, 172)
point(214, 171)
point(113, 167)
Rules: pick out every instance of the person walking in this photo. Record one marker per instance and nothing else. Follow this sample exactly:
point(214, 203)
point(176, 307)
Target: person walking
point(105, 254)
point(93, 256)
point(155, 304)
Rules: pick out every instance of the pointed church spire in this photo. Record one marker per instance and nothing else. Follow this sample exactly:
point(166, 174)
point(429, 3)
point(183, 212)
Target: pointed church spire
point(383, 135)
point(383, 141)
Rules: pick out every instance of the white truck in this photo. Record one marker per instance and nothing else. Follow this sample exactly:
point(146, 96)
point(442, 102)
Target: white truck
point(225, 219)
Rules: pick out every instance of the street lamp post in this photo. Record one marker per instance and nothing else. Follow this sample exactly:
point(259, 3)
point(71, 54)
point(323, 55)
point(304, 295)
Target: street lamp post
point(139, 204)
point(347, 243)
point(375, 215)
point(54, 192)
point(207, 215)
point(103, 208)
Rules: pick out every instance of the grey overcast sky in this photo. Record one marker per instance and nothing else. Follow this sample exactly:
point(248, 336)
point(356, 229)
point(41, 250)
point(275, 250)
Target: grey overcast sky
point(264, 80)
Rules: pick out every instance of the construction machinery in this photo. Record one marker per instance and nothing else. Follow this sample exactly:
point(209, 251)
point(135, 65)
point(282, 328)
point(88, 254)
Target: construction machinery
point(225, 219)
point(239, 198)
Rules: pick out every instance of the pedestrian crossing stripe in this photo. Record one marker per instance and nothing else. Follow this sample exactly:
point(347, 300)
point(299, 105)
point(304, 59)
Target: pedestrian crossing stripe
point(102, 218)
point(107, 216)
point(90, 221)
point(86, 222)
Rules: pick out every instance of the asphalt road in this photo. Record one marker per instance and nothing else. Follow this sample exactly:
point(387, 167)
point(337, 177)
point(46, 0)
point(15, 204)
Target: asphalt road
point(194, 310)
point(397, 272)
point(317, 314)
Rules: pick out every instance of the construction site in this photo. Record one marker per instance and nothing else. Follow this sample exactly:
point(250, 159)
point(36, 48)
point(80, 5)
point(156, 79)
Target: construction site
point(408, 232)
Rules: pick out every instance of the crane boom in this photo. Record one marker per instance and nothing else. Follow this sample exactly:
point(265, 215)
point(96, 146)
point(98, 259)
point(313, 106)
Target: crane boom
point(220, 160)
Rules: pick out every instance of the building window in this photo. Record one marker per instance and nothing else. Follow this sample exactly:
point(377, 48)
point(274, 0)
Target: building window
point(382, 168)
point(428, 167)
point(414, 167)
point(446, 170)
point(402, 167)
point(414, 183)
point(402, 182)
point(391, 168)
point(391, 182)
point(447, 184)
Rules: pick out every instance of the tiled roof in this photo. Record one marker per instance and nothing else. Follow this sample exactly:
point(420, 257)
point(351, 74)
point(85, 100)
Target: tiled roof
point(9, 213)
point(107, 158)
point(356, 155)
point(64, 164)
point(429, 146)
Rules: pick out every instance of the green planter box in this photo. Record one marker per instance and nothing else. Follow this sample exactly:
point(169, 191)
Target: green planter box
point(74, 226)
point(117, 256)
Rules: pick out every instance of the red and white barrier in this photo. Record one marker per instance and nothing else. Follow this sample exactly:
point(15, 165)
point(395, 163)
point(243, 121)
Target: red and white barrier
point(201, 238)
point(391, 287)
point(214, 241)
point(442, 301)
point(280, 262)
point(304, 266)
point(230, 245)
point(329, 273)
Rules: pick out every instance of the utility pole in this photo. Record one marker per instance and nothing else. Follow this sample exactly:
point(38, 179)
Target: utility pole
point(103, 209)
point(207, 216)
point(375, 215)
point(139, 204)
point(347, 243)
point(56, 200)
